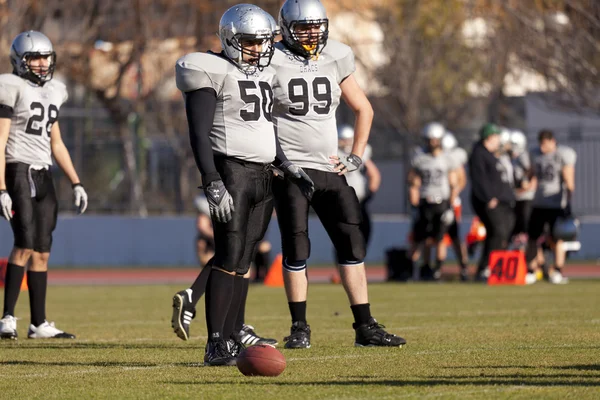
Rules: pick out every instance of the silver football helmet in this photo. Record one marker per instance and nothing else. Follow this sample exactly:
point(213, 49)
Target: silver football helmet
point(518, 141)
point(449, 141)
point(304, 26)
point(565, 228)
point(26, 46)
point(345, 132)
point(274, 26)
point(245, 23)
point(433, 130)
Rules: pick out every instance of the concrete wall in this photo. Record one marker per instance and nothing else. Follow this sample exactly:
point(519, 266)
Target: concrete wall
point(121, 241)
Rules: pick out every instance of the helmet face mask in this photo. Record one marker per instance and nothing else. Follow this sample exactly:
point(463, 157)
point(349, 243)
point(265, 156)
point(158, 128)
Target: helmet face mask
point(246, 33)
point(32, 57)
point(245, 44)
point(310, 36)
point(304, 27)
point(433, 134)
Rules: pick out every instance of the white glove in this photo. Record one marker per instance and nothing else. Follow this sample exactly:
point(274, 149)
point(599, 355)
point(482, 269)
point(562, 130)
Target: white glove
point(6, 204)
point(81, 198)
point(448, 217)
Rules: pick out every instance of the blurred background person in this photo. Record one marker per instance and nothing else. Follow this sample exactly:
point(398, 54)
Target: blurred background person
point(553, 176)
point(523, 190)
point(205, 240)
point(508, 176)
point(460, 158)
point(492, 196)
point(365, 180)
point(432, 189)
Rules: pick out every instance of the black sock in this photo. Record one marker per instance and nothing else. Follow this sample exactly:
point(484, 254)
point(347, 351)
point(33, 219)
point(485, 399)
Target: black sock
point(362, 313)
point(37, 283)
point(298, 310)
point(219, 291)
point(438, 265)
point(241, 317)
point(234, 308)
point(199, 285)
point(12, 287)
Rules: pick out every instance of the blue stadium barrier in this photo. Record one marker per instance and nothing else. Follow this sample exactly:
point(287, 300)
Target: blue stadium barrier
point(112, 241)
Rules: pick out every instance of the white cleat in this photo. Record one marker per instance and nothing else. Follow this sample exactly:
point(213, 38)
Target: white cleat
point(530, 278)
point(47, 330)
point(8, 328)
point(558, 279)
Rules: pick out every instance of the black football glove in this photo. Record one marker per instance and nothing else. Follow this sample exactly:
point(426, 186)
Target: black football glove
point(220, 201)
point(299, 177)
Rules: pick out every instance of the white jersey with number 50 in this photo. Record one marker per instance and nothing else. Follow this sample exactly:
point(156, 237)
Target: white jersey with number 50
point(307, 93)
point(242, 126)
point(35, 109)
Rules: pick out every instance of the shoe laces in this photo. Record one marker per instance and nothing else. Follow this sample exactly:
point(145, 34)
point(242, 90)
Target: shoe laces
point(222, 349)
point(297, 331)
point(249, 329)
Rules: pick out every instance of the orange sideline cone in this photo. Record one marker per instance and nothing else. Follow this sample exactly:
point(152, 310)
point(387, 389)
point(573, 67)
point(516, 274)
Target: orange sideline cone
point(3, 265)
point(274, 277)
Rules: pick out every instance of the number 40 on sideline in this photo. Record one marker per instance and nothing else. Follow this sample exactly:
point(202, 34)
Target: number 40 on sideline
point(507, 267)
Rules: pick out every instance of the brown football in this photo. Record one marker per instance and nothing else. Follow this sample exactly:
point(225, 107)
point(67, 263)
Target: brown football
point(261, 360)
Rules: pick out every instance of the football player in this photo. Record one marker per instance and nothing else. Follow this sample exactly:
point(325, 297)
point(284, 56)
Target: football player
point(554, 180)
point(460, 158)
point(313, 74)
point(524, 193)
point(432, 190)
point(228, 102)
point(30, 136)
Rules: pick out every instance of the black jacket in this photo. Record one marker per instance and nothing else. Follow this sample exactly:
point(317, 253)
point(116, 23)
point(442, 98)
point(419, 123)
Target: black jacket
point(486, 177)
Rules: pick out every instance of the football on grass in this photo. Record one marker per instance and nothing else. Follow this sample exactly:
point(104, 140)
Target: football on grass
point(261, 360)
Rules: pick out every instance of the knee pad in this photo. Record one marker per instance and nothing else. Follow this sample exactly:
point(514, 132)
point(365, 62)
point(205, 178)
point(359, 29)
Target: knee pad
point(350, 247)
point(294, 266)
point(349, 263)
point(296, 247)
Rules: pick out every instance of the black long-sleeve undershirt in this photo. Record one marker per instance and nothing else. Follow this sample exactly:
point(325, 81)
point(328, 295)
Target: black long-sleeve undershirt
point(200, 106)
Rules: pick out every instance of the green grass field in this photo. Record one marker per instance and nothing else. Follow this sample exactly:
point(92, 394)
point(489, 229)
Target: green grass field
point(464, 341)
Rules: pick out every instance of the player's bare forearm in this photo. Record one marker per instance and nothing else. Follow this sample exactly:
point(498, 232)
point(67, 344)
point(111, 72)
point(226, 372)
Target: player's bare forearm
point(362, 129)
point(461, 179)
point(61, 154)
point(356, 99)
point(63, 159)
point(373, 175)
point(568, 173)
point(4, 131)
point(414, 194)
point(454, 190)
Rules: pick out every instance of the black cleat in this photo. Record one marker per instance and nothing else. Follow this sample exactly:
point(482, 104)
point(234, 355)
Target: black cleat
point(248, 337)
point(183, 313)
point(218, 354)
point(299, 336)
point(372, 334)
